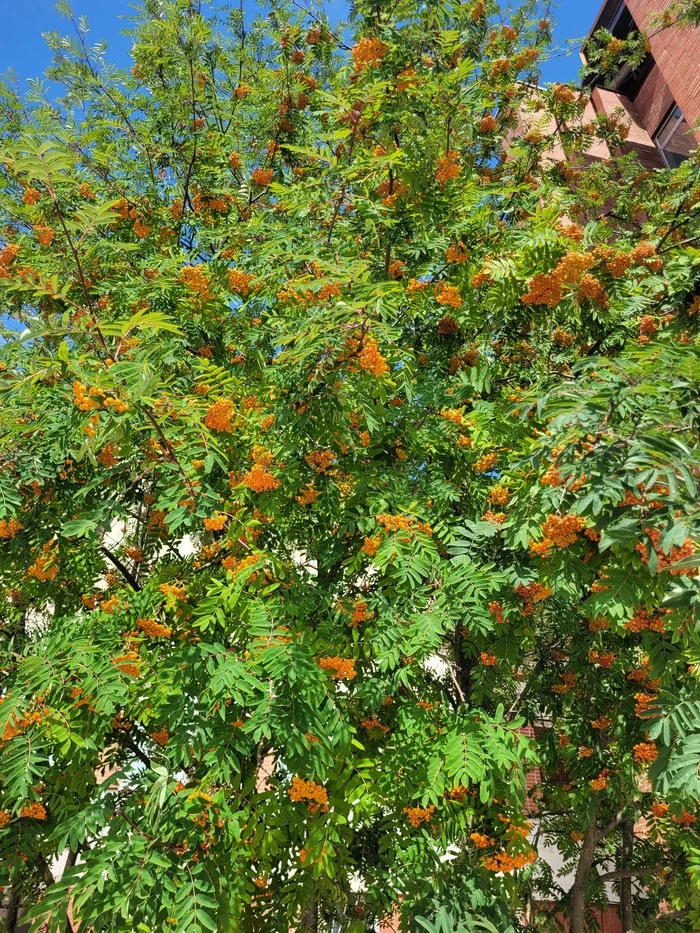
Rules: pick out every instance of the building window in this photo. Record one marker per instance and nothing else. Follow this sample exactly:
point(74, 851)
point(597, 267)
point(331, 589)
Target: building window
point(673, 140)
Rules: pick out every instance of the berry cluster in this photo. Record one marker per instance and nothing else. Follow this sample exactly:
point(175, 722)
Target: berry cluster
point(154, 629)
point(504, 862)
point(309, 792)
point(645, 752)
point(216, 522)
point(343, 668)
point(8, 529)
point(219, 415)
point(35, 811)
point(448, 167)
point(239, 282)
point(448, 295)
point(486, 462)
point(418, 815)
point(563, 530)
point(369, 51)
point(260, 480)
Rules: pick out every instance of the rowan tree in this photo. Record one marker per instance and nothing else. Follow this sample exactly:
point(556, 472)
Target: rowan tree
point(341, 444)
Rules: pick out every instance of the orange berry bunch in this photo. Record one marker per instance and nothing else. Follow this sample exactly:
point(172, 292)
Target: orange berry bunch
point(216, 522)
point(665, 562)
point(601, 782)
point(418, 815)
point(563, 94)
point(45, 567)
point(563, 530)
point(488, 124)
point(486, 462)
point(504, 862)
point(373, 724)
point(481, 841)
point(128, 663)
point(572, 266)
point(320, 460)
point(371, 360)
point(585, 751)
point(645, 752)
point(160, 736)
point(603, 660)
point(219, 415)
point(659, 810)
point(8, 529)
point(448, 167)
point(685, 819)
point(643, 620)
point(496, 609)
point(309, 792)
point(359, 613)
point(154, 629)
point(499, 495)
point(262, 176)
point(369, 51)
point(561, 339)
point(5, 818)
point(239, 282)
point(308, 495)
point(598, 624)
point(602, 722)
point(532, 593)
point(488, 659)
point(342, 668)
point(34, 811)
point(371, 546)
point(592, 289)
point(541, 548)
point(195, 278)
point(260, 480)
point(448, 295)
point(543, 289)
point(457, 252)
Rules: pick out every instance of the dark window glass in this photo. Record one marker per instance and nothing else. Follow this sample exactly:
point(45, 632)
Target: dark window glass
point(673, 139)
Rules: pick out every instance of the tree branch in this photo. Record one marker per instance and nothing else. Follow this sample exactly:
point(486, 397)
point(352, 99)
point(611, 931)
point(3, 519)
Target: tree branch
point(125, 572)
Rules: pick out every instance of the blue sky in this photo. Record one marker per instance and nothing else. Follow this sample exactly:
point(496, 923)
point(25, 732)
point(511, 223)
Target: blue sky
point(23, 49)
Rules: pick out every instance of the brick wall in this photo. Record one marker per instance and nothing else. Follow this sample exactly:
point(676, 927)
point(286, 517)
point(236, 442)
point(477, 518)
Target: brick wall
point(638, 140)
point(653, 101)
point(677, 56)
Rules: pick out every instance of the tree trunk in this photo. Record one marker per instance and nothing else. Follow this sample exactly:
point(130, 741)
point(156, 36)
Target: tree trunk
point(309, 919)
point(12, 912)
point(583, 870)
point(626, 914)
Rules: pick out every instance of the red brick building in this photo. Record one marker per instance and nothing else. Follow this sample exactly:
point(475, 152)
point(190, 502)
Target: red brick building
point(659, 100)
point(662, 97)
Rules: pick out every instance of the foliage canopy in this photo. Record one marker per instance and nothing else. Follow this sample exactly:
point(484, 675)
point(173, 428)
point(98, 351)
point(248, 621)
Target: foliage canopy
point(342, 445)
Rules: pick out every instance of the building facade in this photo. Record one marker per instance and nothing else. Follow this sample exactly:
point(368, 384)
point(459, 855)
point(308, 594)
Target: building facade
point(661, 97)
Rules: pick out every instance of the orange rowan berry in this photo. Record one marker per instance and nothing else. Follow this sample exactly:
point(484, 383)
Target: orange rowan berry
point(486, 462)
point(448, 167)
point(342, 668)
point(34, 811)
point(219, 415)
point(262, 176)
point(315, 796)
point(369, 51)
point(645, 752)
point(154, 629)
point(418, 815)
point(216, 522)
